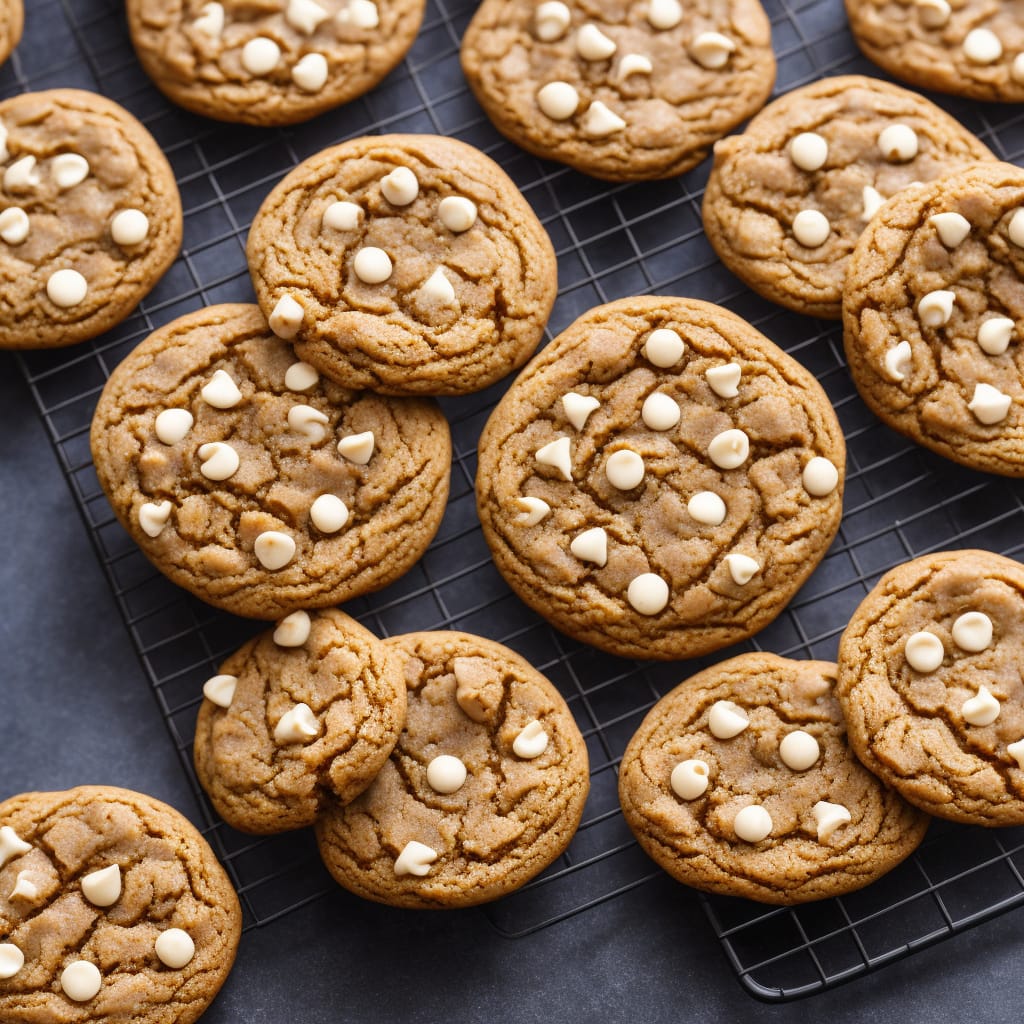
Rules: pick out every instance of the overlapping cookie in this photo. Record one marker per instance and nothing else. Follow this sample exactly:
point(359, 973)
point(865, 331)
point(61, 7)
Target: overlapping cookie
point(12, 21)
point(622, 91)
point(112, 908)
point(789, 197)
point(741, 782)
point(312, 707)
point(406, 264)
point(90, 217)
point(932, 316)
point(661, 479)
point(484, 790)
point(256, 484)
point(930, 683)
point(271, 62)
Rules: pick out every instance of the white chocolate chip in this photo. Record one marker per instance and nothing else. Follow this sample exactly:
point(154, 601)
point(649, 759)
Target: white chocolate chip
point(808, 151)
point(439, 289)
point(600, 121)
point(729, 449)
point(260, 56)
point(707, 508)
point(828, 817)
point(820, 477)
point(712, 50)
point(933, 13)
point(726, 720)
point(982, 46)
point(24, 888)
point(4, 154)
point(551, 20)
point(742, 568)
point(558, 455)
point(153, 517)
point(897, 361)
point(299, 725)
point(531, 742)
point(400, 187)
point(633, 64)
point(372, 265)
point(994, 335)
point(415, 859)
point(310, 73)
point(103, 888)
point(446, 774)
point(342, 216)
point(67, 288)
point(11, 845)
point(924, 651)
point(898, 143)
point(799, 750)
point(811, 228)
point(724, 380)
point(210, 21)
point(328, 513)
point(221, 391)
point(578, 408)
point(972, 632)
point(871, 199)
point(1017, 69)
point(663, 347)
point(14, 225)
point(274, 549)
point(219, 461)
point(982, 709)
point(591, 546)
point(531, 511)
point(220, 690)
point(1015, 229)
point(129, 227)
point(624, 469)
point(664, 14)
point(457, 213)
point(935, 309)
point(689, 779)
point(360, 13)
point(1015, 750)
point(593, 44)
point(304, 15)
point(989, 404)
point(69, 170)
point(357, 448)
point(293, 630)
point(558, 100)
point(286, 318)
point(174, 948)
point(81, 981)
point(22, 174)
point(173, 425)
point(660, 411)
point(952, 228)
point(301, 377)
point(309, 422)
point(11, 960)
point(752, 824)
point(648, 594)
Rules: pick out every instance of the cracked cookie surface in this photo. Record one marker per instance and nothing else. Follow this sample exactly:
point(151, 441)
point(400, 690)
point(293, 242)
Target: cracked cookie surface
point(929, 731)
point(810, 851)
point(256, 484)
point(160, 878)
point(821, 149)
point(91, 217)
point(406, 264)
point(644, 484)
point(485, 788)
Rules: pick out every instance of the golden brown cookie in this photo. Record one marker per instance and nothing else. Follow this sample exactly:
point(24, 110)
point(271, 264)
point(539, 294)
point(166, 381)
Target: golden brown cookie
point(661, 479)
point(91, 217)
point(932, 315)
point(12, 21)
point(741, 782)
point(254, 483)
point(788, 199)
point(311, 707)
point(622, 91)
point(484, 790)
point(112, 908)
point(406, 264)
point(930, 682)
point(272, 61)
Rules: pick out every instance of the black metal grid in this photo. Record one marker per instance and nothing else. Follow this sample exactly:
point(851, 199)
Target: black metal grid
point(611, 241)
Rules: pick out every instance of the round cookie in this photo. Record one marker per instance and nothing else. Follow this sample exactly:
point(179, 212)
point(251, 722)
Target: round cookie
point(788, 198)
point(311, 707)
point(932, 316)
point(112, 908)
point(406, 264)
point(930, 682)
point(484, 790)
point(273, 62)
point(661, 479)
point(91, 217)
point(741, 782)
point(254, 483)
point(621, 91)
point(12, 21)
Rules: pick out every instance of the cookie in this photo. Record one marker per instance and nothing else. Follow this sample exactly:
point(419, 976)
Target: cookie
point(932, 314)
point(12, 21)
point(112, 908)
point(787, 200)
point(741, 782)
point(406, 264)
point(484, 790)
point(311, 707)
point(270, 62)
point(91, 217)
point(254, 483)
point(930, 682)
point(621, 91)
point(661, 479)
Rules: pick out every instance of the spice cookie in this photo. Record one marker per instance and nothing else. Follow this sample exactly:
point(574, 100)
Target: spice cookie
point(312, 707)
point(484, 790)
point(930, 682)
point(91, 217)
point(12, 20)
point(406, 264)
point(741, 782)
point(271, 62)
point(661, 479)
point(249, 480)
point(788, 199)
point(621, 91)
point(112, 908)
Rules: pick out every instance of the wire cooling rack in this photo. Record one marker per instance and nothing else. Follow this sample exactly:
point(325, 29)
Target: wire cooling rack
point(611, 241)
